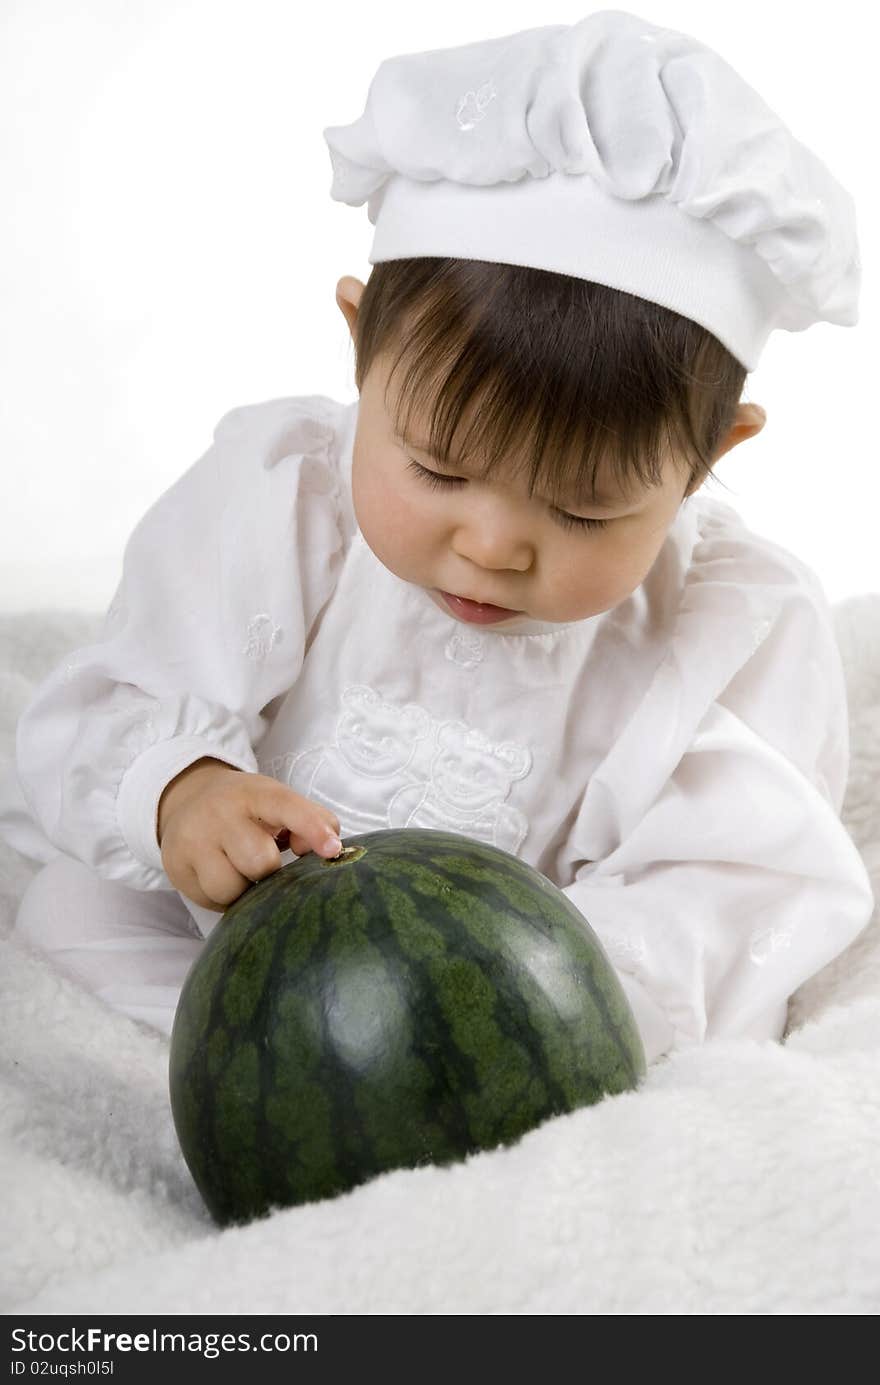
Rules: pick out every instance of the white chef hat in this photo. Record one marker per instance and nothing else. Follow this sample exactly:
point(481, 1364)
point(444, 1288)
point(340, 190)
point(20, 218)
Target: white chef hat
point(611, 150)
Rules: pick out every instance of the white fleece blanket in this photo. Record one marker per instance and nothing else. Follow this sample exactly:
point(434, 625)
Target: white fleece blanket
point(742, 1178)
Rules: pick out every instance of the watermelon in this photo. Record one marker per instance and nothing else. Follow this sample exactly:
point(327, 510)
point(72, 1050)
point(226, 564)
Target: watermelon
point(418, 998)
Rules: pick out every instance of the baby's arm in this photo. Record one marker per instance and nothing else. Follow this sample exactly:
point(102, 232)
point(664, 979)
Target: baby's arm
point(739, 881)
point(208, 627)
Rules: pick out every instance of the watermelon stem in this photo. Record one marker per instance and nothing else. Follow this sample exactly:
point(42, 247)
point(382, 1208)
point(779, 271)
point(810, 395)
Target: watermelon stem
point(348, 853)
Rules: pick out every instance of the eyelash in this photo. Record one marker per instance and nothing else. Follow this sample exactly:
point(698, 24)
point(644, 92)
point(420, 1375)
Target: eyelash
point(437, 482)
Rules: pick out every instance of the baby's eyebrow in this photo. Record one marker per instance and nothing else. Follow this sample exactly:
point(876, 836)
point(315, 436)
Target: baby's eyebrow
point(598, 501)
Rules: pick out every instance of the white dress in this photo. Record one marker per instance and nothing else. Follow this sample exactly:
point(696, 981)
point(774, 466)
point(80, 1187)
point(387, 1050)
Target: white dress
point(676, 766)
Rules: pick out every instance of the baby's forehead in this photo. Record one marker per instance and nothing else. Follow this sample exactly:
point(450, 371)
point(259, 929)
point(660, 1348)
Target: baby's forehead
point(580, 474)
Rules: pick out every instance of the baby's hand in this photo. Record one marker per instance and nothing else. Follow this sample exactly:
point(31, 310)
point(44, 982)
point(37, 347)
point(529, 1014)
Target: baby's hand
point(220, 830)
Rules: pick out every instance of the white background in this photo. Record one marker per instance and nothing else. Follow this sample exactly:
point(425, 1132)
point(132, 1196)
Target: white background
point(169, 250)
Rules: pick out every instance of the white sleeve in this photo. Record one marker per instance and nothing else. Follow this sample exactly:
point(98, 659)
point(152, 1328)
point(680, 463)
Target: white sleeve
point(733, 879)
point(223, 579)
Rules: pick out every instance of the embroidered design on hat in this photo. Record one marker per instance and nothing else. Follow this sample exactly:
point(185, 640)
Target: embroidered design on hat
point(471, 107)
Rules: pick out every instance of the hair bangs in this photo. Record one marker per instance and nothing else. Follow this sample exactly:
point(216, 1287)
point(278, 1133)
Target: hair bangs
point(586, 388)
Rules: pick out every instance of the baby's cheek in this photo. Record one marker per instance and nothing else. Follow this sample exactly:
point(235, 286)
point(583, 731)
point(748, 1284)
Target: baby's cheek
point(622, 568)
point(369, 497)
point(386, 519)
point(396, 522)
point(633, 559)
point(611, 572)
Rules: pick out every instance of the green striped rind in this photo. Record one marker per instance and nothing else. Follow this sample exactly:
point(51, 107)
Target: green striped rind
point(425, 998)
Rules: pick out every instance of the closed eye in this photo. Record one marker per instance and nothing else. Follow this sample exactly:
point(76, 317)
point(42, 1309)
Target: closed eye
point(437, 482)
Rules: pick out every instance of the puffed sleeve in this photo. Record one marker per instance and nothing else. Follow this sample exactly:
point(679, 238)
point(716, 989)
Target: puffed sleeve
point(223, 578)
point(708, 854)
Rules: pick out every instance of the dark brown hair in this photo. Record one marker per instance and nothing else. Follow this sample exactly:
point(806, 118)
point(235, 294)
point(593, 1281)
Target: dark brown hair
point(574, 370)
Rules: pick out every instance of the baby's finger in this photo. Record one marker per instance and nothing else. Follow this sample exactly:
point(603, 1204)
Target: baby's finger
point(219, 881)
point(320, 840)
point(252, 850)
point(300, 845)
point(308, 826)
